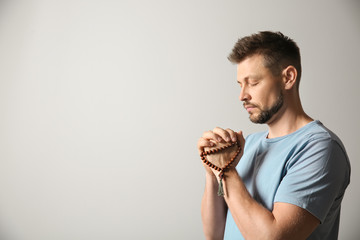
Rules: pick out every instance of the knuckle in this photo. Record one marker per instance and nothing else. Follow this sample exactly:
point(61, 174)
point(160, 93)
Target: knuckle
point(218, 129)
point(229, 130)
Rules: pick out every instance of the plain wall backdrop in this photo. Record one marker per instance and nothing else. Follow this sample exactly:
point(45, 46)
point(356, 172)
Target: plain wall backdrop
point(102, 103)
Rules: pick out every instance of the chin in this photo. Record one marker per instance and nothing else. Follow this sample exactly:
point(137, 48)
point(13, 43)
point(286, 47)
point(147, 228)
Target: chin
point(255, 119)
point(260, 118)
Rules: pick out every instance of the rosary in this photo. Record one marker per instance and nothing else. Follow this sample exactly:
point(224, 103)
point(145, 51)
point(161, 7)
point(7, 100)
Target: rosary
point(214, 151)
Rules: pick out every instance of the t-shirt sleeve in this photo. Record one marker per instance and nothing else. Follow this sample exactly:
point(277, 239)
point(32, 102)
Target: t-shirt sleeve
point(315, 177)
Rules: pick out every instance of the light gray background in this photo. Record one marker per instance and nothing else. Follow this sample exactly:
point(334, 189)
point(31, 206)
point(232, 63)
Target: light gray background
point(102, 103)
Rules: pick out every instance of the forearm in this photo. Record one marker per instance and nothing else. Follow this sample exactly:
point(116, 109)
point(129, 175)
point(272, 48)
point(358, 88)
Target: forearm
point(213, 210)
point(253, 220)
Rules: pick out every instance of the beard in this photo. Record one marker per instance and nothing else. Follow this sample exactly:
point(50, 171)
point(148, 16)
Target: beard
point(266, 114)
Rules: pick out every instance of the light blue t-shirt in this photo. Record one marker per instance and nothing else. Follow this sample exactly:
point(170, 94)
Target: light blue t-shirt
point(308, 168)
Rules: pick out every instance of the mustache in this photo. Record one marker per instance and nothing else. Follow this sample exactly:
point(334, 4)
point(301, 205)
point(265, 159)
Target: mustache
point(250, 104)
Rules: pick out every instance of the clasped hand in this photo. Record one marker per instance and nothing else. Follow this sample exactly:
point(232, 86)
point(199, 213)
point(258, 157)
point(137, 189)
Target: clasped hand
point(217, 137)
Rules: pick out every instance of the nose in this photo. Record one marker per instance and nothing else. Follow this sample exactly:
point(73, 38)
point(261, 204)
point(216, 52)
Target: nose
point(244, 95)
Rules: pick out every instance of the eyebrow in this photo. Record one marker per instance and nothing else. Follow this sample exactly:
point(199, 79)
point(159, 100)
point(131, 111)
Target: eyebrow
point(255, 77)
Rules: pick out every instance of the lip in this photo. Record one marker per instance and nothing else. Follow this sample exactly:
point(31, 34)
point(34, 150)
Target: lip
point(249, 107)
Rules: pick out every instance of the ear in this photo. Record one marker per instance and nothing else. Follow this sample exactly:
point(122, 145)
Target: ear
point(289, 75)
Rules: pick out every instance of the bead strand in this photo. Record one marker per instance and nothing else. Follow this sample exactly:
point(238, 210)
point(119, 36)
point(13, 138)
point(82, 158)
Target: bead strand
point(203, 155)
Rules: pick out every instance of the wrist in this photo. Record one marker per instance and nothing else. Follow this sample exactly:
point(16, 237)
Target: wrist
point(209, 175)
point(231, 172)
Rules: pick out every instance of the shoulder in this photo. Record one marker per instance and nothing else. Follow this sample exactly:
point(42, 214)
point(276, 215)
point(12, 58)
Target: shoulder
point(320, 136)
point(316, 130)
point(320, 152)
point(318, 140)
point(314, 134)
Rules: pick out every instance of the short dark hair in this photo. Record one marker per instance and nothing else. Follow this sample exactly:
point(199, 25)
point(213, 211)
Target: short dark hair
point(278, 50)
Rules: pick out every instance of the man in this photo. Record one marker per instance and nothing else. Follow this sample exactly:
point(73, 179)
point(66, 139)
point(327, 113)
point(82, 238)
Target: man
point(288, 182)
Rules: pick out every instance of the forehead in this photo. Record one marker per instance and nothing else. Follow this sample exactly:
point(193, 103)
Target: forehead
point(253, 68)
point(252, 65)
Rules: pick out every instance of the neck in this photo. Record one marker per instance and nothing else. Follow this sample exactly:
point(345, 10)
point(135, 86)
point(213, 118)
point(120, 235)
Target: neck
point(290, 118)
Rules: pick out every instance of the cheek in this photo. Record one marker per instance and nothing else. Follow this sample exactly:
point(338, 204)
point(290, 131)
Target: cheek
point(267, 98)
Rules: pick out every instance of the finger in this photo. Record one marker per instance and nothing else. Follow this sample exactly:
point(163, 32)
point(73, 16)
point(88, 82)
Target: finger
point(202, 142)
point(232, 134)
point(222, 133)
point(210, 135)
